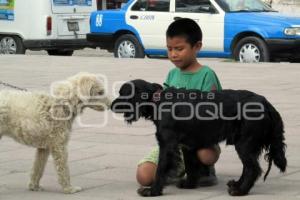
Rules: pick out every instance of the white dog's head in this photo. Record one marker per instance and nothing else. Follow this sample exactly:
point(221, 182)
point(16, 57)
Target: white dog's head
point(84, 89)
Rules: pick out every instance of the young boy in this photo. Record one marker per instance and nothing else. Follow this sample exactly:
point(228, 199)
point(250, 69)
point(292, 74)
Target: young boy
point(184, 41)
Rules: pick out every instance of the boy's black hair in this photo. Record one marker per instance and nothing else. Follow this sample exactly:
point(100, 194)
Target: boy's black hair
point(187, 28)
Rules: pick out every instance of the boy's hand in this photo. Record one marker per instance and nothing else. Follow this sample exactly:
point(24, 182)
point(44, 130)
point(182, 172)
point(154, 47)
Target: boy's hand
point(213, 88)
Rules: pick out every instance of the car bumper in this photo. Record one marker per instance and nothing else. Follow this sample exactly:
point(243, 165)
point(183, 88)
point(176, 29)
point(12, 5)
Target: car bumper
point(284, 47)
point(70, 44)
point(104, 41)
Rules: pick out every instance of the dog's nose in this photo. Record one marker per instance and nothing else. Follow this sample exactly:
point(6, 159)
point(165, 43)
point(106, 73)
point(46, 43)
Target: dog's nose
point(120, 106)
point(107, 102)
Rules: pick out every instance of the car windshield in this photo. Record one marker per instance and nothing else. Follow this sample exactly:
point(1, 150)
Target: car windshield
point(244, 6)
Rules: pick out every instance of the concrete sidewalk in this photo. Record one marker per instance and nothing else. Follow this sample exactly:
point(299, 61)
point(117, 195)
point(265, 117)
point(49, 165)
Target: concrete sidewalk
point(103, 159)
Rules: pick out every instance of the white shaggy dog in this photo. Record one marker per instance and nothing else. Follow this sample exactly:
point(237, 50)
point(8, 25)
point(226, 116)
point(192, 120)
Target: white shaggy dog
point(45, 121)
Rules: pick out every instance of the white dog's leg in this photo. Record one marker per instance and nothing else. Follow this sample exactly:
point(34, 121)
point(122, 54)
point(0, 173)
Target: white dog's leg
point(41, 158)
point(60, 156)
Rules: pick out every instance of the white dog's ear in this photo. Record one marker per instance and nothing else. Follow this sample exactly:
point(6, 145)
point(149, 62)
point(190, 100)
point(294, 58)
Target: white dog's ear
point(85, 85)
point(62, 90)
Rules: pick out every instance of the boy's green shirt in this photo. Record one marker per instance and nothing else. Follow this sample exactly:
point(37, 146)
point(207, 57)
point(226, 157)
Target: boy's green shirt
point(205, 79)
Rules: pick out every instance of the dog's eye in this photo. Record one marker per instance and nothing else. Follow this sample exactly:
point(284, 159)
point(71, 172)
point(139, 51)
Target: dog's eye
point(101, 92)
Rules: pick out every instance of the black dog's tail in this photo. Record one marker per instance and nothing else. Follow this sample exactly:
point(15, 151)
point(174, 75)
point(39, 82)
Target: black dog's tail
point(276, 147)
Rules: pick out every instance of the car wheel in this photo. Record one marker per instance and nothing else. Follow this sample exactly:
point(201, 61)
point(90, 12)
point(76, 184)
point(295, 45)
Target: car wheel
point(58, 52)
point(11, 45)
point(251, 49)
point(128, 46)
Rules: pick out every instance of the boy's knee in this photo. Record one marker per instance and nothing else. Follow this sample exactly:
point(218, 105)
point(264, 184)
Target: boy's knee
point(209, 156)
point(146, 173)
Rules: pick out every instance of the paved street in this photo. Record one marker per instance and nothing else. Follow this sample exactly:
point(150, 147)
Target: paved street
point(102, 158)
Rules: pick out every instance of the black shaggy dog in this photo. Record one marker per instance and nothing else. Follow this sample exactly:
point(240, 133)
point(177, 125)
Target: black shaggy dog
point(194, 119)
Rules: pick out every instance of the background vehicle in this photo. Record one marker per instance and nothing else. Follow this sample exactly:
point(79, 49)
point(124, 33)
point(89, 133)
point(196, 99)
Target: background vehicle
point(247, 30)
point(58, 26)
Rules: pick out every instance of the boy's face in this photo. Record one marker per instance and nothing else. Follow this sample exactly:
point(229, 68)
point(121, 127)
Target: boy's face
point(181, 53)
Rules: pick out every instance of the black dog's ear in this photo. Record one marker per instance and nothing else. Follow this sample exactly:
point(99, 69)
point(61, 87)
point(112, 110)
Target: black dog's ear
point(157, 86)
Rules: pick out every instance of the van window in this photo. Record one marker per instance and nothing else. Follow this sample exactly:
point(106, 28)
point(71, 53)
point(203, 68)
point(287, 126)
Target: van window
point(73, 2)
point(152, 5)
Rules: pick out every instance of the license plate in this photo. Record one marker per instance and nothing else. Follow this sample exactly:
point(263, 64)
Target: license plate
point(73, 26)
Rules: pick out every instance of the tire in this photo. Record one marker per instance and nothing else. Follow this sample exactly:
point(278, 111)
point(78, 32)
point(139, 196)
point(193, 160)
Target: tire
point(251, 49)
point(59, 52)
point(11, 44)
point(133, 47)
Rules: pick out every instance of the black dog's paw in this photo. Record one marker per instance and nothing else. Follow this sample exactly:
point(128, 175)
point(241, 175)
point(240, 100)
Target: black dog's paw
point(148, 192)
point(186, 184)
point(234, 191)
point(232, 184)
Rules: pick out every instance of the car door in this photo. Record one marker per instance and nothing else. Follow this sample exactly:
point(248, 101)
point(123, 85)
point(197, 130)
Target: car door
point(150, 18)
point(209, 17)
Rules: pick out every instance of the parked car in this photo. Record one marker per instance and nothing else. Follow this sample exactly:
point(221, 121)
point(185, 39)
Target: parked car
point(58, 26)
point(247, 30)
